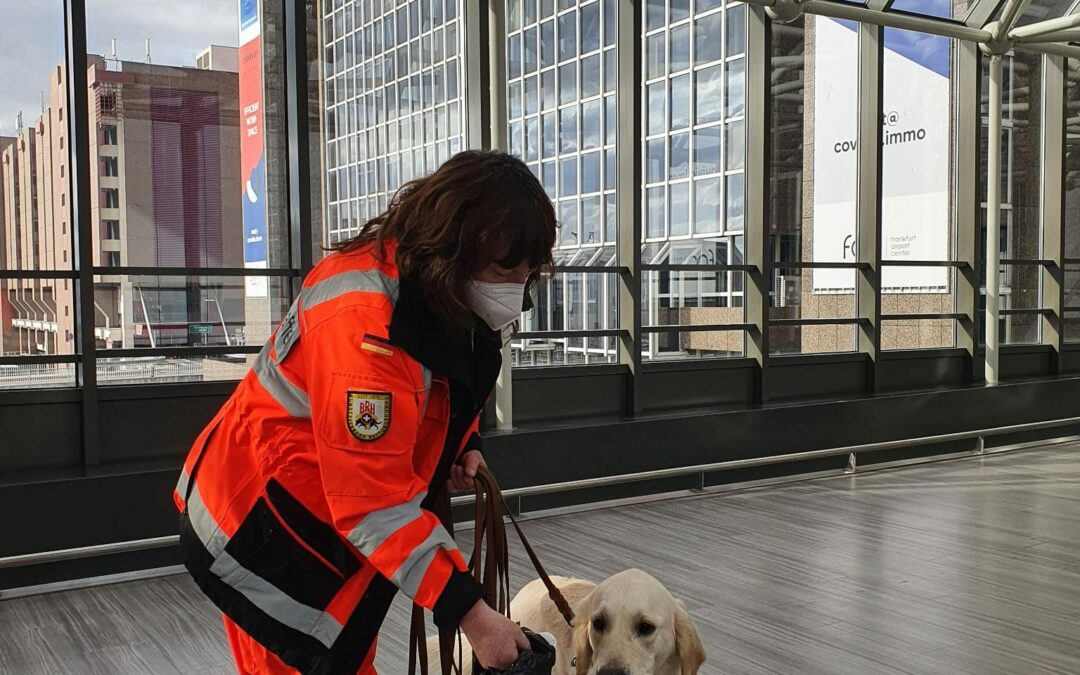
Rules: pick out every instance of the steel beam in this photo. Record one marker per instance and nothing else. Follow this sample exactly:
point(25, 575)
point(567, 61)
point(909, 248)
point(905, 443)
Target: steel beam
point(1010, 14)
point(1053, 207)
point(78, 131)
point(1057, 24)
point(968, 221)
point(921, 24)
point(868, 195)
point(993, 222)
point(758, 256)
point(629, 193)
point(298, 125)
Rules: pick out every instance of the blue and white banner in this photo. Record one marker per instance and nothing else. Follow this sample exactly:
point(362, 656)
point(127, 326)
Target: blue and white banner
point(915, 157)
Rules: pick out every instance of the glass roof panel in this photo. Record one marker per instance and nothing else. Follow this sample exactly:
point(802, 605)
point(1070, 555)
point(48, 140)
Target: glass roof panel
point(653, 253)
point(581, 257)
point(606, 258)
point(941, 9)
point(1041, 10)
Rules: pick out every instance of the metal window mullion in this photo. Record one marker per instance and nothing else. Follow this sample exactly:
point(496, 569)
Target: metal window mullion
point(629, 192)
point(868, 198)
point(481, 64)
point(756, 166)
point(968, 124)
point(1053, 206)
point(489, 125)
point(992, 264)
point(81, 226)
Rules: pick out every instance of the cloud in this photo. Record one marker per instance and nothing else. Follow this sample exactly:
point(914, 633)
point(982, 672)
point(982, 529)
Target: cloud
point(31, 33)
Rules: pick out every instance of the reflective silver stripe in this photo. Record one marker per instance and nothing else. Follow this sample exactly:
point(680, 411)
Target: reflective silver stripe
point(207, 529)
point(182, 484)
point(425, 395)
point(372, 281)
point(287, 394)
point(379, 526)
point(264, 595)
point(411, 573)
point(287, 333)
point(278, 605)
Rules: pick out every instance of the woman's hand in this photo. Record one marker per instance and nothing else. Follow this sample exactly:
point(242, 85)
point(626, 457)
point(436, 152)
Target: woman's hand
point(463, 473)
point(495, 640)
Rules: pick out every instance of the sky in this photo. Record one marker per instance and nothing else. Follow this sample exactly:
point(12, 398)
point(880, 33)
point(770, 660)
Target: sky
point(31, 35)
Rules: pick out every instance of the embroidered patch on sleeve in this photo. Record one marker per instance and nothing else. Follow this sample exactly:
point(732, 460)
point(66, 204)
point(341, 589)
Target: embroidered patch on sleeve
point(369, 414)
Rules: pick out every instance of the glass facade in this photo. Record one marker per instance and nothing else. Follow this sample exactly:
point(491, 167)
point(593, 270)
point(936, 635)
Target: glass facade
point(188, 178)
point(1021, 173)
point(695, 158)
point(185, 179)
point(562, 68)
point(392, 101)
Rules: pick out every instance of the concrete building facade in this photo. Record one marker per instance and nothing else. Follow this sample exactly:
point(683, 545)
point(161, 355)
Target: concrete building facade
point(164, 178)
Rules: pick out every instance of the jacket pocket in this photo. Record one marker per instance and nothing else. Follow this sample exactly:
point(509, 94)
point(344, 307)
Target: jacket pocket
point(264, 547)
point(368, 415)
point(318, 535)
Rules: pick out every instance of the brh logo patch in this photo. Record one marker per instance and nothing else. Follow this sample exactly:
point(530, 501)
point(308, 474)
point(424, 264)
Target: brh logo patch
point(369, 414)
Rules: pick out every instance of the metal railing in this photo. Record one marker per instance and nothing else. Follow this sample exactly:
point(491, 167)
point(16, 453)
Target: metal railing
point(122, 371)
point(602, 481)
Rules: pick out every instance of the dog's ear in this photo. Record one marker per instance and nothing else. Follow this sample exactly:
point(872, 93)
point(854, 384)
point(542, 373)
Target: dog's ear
point(687, 642)
point(583, 652)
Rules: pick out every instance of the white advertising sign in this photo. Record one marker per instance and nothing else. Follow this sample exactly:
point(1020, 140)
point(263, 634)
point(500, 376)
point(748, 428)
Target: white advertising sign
point(915, 157)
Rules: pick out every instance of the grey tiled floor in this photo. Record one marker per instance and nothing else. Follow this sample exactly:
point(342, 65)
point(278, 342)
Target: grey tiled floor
point(967, 566)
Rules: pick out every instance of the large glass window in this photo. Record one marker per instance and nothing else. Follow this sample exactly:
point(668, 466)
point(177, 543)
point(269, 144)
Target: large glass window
point(393, 102)
point(1071, 216)
point(181, 156)
point(917, 206)
point(186, 177)
point(813, 184)
point(155, 312)
point(814, 180)
point(187, 163)
point(1021, 171)
point(694, 160)
point(36, 313)
point(576, 160)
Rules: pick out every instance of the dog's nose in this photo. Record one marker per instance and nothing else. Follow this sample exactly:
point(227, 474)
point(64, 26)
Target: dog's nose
point(611, 670)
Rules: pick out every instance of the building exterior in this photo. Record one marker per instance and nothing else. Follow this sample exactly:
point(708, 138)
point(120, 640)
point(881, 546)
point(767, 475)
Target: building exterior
point(562, 71)
point(392, 100)
point(382, 126)
point(562, 75)
point(219, 58)
point(164, 143)
point(812, 215)
point(38, 313)
point(262, 189)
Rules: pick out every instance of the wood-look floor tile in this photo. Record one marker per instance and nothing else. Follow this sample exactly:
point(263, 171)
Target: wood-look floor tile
point(969, 567)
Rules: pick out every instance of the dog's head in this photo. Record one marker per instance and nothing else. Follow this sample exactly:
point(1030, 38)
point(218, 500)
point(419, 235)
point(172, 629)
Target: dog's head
point(630, 625)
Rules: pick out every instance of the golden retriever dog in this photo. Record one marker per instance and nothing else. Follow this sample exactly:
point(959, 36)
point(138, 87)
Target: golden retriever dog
point(629, 624)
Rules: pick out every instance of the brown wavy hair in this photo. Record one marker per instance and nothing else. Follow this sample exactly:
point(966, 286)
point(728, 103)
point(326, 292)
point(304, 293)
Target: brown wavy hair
point(478, 208)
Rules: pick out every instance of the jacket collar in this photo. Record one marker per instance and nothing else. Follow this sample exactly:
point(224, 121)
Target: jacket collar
point(472, 357)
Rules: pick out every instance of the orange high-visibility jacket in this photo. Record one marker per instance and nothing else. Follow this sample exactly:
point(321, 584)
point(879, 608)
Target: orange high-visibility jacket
point(306, 501)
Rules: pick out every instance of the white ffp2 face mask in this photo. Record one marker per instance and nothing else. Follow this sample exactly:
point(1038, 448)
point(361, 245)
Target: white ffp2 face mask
point(499, 305)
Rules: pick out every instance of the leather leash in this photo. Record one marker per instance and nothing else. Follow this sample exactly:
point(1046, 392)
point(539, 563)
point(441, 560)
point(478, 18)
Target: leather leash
point(489, 564)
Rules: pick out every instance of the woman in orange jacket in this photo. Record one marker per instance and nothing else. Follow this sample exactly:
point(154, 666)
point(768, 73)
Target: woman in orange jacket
point(307, 501)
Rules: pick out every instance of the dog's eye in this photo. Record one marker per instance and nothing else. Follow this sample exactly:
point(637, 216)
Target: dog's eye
point(599, 624)
point(645, 629)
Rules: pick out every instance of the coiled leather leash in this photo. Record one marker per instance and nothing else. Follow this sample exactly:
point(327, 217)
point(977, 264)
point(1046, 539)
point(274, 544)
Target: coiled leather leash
point(490, 566)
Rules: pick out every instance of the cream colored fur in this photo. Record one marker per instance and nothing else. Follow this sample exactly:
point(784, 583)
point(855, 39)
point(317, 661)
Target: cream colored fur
point(624, 601)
